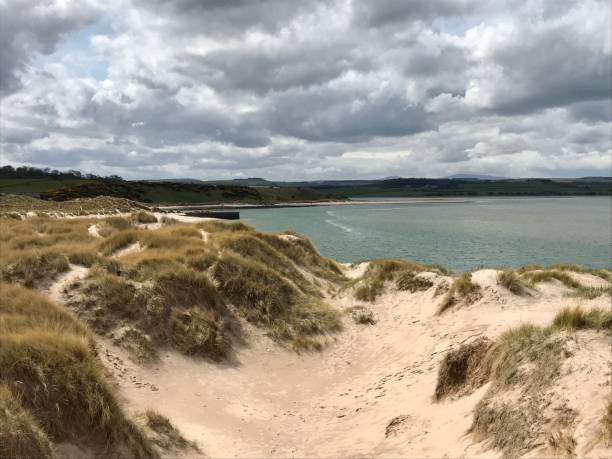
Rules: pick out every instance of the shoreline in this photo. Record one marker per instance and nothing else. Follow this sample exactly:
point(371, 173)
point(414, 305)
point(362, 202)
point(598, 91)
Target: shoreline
point(348, 202)
point(282, 205)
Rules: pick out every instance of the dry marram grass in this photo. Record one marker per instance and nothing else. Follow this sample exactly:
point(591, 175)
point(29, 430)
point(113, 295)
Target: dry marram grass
point(462, 289)
point(52, 383)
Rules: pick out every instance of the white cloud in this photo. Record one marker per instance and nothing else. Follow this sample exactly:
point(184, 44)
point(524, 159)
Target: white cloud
point(332, 88)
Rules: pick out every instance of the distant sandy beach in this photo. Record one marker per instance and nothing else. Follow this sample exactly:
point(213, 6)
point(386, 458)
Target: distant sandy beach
point(315, 204)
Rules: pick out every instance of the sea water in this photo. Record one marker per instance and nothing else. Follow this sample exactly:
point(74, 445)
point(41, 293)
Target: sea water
point(483, 232)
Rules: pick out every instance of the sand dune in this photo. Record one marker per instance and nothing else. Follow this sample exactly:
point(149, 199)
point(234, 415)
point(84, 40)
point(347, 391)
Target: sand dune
point(370, 392)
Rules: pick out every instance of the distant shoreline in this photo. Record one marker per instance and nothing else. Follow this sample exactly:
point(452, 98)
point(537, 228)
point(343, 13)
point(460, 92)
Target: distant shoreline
point(352, 202)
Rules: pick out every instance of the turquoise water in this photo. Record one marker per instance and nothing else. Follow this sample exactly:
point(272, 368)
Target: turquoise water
point(487, 232)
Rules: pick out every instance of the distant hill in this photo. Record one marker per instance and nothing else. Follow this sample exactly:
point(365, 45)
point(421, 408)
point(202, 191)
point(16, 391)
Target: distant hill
point(63, 186)
point(161, 192)
point(56, 185)
point(595, 179)
point(251, 181)
point(475, 177)
point(422, 187)
point(392, 177)
point(176, 180)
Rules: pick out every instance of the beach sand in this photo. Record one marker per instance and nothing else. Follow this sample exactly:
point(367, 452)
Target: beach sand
point(370, 392)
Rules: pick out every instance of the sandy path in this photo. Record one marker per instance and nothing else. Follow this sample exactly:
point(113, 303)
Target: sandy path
point(339, 403)
point(93, 231)
point(132, 248)
point(56, 290)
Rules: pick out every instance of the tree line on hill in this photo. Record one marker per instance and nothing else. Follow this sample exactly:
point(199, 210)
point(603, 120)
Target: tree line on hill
point(28, 172)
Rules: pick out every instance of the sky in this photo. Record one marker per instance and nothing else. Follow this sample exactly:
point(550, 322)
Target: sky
point(309, 89)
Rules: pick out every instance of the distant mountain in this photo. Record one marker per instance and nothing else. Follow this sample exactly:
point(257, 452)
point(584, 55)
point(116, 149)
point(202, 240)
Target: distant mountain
point(595, 179)
point(476, 177)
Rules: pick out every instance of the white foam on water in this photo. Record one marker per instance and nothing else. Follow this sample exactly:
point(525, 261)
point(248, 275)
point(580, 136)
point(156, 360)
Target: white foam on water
point(337, 224)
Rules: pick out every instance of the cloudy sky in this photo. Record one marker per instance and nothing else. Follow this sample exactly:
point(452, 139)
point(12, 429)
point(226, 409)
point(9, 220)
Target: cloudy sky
point(307, 89)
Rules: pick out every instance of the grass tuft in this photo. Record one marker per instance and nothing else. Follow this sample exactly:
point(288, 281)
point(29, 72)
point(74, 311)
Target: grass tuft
point(548, 275)
point(248, 245)
point(144, 217)
point(408, 280)
point(508, 428)
point(167, 221)
point(138, 344)
point(167, 436)
point(577, 318)
point(372, 284)
point(34, 268)
point(591, 293)
point(260, 292)
point(50, 366)
point(462, 289)
point(118, 241)
point(361, 315)
point(108, 298)
point(605, 274)
point(527, 354)
point(511, 281)
point(20, 435)
point(521, 365)
point(186, 288)
point(464, 369)
point(118, 223)
point(265, 297)
point(301, 251)
point(525, 359)
point(83, 258)
point(199, 332)
point(606, 423)
point(181, 308)
point(216, 226)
